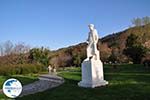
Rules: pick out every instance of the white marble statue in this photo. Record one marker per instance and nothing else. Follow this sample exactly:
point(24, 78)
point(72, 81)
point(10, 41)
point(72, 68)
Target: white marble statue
point(92, 67)
point(92, 43)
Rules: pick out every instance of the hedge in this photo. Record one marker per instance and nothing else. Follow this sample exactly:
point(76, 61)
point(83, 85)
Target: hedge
point(21, 69)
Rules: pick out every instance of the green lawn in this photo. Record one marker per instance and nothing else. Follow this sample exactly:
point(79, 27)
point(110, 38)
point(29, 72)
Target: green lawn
point(127, 82)
point(24, 79)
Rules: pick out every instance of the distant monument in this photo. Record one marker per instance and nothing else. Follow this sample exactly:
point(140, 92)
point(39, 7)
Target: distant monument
point(50, 69)
point(92, 67)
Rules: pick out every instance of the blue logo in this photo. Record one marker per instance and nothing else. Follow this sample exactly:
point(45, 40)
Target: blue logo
point(12, 88)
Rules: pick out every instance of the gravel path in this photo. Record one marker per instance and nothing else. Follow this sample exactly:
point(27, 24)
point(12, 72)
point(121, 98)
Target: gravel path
point(45, 82)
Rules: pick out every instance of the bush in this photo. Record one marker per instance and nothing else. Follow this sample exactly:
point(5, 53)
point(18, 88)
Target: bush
point(21, 69)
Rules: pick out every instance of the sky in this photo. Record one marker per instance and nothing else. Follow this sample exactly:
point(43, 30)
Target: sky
point(61, 23)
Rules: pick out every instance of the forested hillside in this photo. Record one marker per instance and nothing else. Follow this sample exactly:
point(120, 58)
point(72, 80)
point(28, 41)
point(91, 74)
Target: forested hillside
point(114, 43)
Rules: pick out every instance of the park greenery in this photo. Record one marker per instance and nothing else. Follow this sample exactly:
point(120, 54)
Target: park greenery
point(126, 82)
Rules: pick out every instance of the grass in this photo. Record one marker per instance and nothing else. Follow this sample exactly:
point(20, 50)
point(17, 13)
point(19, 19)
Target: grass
point(126, 82)
point(24, 79)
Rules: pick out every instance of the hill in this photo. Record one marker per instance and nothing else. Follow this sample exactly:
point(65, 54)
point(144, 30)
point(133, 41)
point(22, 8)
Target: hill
point(111, 43)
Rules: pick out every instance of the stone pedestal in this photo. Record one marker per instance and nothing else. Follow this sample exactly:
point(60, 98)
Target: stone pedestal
point(92, 73)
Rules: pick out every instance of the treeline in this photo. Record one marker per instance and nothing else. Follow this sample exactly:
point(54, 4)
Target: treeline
point(21, 59)
point(38, 59)
point(141, 21)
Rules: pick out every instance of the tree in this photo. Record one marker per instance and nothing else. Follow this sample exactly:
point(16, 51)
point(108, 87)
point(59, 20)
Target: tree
point(77, 60)
point(1, 50)
point(8, 46)
point(39, 55)
point(112, 58)
point(141, 21)
point(61, 60)
point(134, 49)
point(137, 21)
point(21, 48)
point(146, 20)
point(78, 55)
point(132, 40)
point(135, 53)
point(114, 55)
point(105, 51)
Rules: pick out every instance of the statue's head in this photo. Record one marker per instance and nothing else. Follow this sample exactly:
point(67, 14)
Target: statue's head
point(91, 26)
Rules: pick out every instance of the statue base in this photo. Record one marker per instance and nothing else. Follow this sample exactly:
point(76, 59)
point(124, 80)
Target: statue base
point(92, 74)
